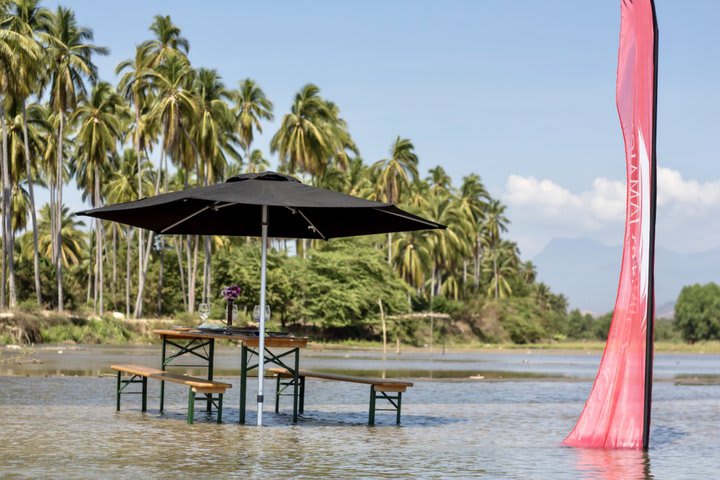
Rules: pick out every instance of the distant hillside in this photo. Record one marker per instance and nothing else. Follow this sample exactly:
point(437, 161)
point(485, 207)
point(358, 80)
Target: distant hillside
point(586, 271)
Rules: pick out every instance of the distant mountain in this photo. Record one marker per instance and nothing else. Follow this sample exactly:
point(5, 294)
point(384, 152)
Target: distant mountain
point(587, 272)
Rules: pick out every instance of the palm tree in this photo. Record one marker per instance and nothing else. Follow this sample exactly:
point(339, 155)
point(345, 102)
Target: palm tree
point(250, 106)
point(412, 259)
point(495, 220)
point(301, 141)
point(70, 64)
point(214, 136)
point(98, 134)
point(74, 247)
point(502, 266)
point(174, 109)
point(473, 202)
point(18, 52)
point(135, 86)
point(119, 188)
point(256, 163)
point(394, 175)
point(27, 18)
point(168, 41)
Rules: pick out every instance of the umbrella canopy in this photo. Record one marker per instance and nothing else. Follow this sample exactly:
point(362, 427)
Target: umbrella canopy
point(234, 208)
point(263, 205)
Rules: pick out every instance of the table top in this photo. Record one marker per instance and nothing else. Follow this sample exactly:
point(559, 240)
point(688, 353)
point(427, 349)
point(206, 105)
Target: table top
point(286, 341)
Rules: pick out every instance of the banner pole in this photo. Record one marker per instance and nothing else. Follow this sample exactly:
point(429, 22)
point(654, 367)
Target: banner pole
point(650, 327)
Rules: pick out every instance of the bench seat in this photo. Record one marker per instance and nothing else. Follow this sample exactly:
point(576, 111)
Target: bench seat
point(140, 374)
point(381, 386)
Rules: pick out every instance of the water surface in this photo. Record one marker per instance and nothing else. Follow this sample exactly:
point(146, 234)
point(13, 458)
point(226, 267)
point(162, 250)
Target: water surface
point(67, 427)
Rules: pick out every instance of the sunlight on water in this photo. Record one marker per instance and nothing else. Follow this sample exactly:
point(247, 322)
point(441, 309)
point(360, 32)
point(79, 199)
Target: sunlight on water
point(67, 427)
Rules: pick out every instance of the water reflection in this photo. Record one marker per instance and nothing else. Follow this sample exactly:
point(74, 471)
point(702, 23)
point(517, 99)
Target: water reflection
point(598, 464)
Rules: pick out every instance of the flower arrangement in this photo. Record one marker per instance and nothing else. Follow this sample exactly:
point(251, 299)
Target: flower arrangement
point(232, 292)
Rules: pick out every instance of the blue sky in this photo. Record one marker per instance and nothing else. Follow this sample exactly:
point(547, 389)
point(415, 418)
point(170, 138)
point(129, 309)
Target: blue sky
point(522, 93)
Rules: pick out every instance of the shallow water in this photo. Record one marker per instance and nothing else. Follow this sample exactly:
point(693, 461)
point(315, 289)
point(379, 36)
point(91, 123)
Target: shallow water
point(67, 427)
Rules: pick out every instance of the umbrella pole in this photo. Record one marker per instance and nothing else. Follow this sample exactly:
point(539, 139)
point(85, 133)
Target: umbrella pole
point(261, 346)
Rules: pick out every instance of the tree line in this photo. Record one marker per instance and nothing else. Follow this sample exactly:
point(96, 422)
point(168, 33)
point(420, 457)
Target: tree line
point(167, 125)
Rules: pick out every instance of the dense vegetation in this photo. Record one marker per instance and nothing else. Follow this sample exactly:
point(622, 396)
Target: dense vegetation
point(169, 125)
point(697, 312)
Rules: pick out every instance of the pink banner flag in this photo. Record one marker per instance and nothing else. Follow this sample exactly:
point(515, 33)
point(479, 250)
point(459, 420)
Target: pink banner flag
point(617, 412)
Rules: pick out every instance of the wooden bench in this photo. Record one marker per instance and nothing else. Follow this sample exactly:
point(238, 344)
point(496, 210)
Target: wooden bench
point(379, 389)
point(140, 374)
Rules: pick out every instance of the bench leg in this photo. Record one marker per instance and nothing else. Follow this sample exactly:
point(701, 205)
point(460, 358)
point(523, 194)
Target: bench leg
point(277, 394)
point(243, 381)
point(296, 385)
point(219, 408)
point(191, 406)
point(399, 405)
point(119, 383)
point(144, 394)
point(371, 415)
point(302, 394)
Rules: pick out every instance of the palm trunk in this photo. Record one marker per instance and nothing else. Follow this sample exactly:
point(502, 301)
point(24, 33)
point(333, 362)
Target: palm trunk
point(139, 192)
point(99, 234)
point(33, 215)
point(161, 254)
point(190, 283)
point(389, 235)
point(128, 256)
point(3, 268)
point(206, 269)
point(495, 276)
point(193, 273)
point(114, 267)
point(95, 270)
point(91, 268)
point(178, 251)
point(9, 234)
point(144, 257)
point(58, 214)
point(141, 283)
point(465, 275)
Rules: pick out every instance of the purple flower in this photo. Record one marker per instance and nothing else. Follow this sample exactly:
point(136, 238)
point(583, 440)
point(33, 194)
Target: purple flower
point(232, 292)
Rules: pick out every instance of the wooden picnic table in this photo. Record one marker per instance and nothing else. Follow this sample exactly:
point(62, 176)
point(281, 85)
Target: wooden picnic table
point(201, 344)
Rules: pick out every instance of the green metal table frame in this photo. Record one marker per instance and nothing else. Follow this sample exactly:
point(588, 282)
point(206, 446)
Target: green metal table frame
point(270, 357)
point(204, 349)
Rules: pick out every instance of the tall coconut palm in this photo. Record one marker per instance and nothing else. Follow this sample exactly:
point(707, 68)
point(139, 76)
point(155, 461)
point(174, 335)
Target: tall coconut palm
point(18, 53)
point(27, 18)
point(168, 41)
point(214, 136)
point(135, 86)
point(412, 258)
point(251, 106)
point(174, 109)
point(474, 199)
point(502, 265)
point(301, 141)
point(256, 162)
point(120, 188)
point(394, 175)
point(70, 64)
point(99, 132)
point(74, 247)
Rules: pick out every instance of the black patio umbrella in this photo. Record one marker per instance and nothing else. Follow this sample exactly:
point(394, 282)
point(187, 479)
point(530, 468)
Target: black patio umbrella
point(263, 205)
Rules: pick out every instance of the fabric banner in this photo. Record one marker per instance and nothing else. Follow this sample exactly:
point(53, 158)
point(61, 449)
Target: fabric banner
point(617, 412)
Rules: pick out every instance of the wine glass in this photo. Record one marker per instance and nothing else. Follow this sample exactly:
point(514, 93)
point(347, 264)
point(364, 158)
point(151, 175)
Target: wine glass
point(204, 311)
point(256, 313)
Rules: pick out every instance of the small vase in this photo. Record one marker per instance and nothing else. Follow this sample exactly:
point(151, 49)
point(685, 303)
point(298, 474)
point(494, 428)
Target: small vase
point(229, 313)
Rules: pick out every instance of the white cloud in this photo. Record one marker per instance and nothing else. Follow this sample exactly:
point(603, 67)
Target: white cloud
point(541, 209)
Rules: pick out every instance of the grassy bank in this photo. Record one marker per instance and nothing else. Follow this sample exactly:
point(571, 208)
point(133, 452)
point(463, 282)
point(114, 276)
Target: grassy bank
point(52, 328)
